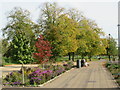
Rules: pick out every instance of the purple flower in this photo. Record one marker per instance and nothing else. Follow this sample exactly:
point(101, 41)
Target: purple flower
point(36, 78)
point(37, 71)
point(44, 72)
point(47, 71)
point(16, 82)
point(11, 73)
point(50, 71)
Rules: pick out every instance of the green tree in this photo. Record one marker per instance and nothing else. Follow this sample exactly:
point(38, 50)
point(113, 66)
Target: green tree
point(49, 14)
point(19, 20)
point(0, 46)
point(5, 46)
point(112, 47)
point(20, 49)
point(20, 33)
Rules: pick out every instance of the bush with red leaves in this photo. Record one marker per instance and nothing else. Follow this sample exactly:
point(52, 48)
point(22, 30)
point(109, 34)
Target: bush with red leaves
point(43, 49)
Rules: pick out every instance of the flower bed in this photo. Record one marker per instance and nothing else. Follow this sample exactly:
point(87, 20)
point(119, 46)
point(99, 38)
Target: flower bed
point(35, 76)
point(115, 70)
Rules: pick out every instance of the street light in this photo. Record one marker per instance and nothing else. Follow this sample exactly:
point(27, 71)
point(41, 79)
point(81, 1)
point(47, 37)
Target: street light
point(108, 49)
point(118, 43)
point(119, 32)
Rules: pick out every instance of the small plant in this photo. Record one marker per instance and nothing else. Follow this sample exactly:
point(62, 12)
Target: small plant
point(115, 70)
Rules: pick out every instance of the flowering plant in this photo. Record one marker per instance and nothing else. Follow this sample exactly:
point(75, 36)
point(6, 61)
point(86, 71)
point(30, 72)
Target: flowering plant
point(39, 76)
point(35, 76)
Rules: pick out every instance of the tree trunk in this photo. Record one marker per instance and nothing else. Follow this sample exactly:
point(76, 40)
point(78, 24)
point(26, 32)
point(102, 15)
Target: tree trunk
point(82, 57)
point(23, 81)
point(89, 58)
point(73, 56)
point(109, 57)
point(113, 58)
point(69, 56)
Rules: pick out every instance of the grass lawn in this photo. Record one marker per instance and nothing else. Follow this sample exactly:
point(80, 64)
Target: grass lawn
point(6, 61)
point(65, 58)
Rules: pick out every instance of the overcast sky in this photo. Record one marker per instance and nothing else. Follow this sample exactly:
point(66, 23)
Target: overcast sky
point(105, 14)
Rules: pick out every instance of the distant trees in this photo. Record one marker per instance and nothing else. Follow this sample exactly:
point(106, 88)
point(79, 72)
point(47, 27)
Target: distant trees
point(67, 32)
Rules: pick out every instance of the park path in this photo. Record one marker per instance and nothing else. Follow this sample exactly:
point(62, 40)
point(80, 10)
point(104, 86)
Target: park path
point(93, 76)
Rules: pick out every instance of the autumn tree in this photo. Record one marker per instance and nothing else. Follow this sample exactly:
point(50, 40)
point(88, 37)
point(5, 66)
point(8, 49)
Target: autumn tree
point(68, 30)
point(89, 40)
point(43, 50)
point(75, 14)
point(96, 46)
point(48, 22)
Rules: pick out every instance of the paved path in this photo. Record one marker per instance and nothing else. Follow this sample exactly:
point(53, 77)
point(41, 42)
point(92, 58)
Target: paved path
point(94, 76)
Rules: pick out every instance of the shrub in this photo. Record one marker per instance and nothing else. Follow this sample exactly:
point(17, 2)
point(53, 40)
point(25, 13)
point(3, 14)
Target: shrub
point(115, 70)
point(108, 64)
point(69, 65)
point(43, 50)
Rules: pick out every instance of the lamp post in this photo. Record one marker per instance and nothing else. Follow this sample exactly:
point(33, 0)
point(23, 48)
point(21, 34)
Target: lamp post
point(118, 43)
point(119, 32)
point(109, 48)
